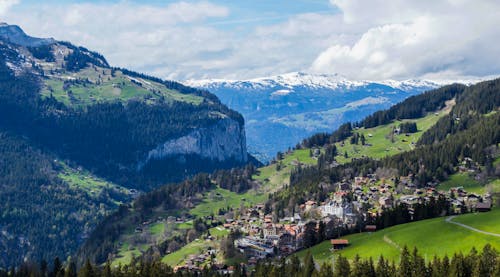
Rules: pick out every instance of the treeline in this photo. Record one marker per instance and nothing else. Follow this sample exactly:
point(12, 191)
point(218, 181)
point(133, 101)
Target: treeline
point(80, 57)
point(43, 52)
point(401, 213)
point(171, 85)
point(411, 264)
point(321, 139)
point(237, 179)
point(415, 106)
point(408, 127)
point(471, 105)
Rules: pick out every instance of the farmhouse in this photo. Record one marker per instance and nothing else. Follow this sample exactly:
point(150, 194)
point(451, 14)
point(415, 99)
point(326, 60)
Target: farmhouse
point(338, 244)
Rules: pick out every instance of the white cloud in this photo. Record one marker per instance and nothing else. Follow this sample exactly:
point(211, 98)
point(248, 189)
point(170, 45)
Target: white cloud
point(5, 5)
point(409, 39)
point(153, 39)
point(368, 39)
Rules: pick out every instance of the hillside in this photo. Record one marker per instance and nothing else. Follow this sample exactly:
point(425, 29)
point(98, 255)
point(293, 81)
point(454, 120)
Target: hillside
point(422, 234)
point(277, 192)
point(79, 138)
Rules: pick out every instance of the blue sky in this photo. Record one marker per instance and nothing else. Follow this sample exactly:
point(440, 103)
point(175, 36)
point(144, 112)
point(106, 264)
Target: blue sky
point(196, 39)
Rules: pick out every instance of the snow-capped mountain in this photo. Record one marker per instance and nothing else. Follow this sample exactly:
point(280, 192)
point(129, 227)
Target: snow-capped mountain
point(284, 109)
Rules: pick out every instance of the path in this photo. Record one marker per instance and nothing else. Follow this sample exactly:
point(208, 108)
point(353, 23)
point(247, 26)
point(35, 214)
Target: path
point(450, 220)
point(392, 243)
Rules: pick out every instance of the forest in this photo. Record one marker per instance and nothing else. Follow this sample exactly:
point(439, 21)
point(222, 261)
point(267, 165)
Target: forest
point(411, 263)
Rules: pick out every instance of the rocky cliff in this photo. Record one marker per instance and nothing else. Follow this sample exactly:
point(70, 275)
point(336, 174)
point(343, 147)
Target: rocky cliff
point(225, 140)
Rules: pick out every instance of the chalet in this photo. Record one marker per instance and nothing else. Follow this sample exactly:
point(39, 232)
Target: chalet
point(338, 244)
point(311, 204)
point(385, 201)
point(483, 206)
point(371, 228)
point(358, 181)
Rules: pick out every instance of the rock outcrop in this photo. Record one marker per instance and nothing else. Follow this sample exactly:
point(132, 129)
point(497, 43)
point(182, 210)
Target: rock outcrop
point(220, 142)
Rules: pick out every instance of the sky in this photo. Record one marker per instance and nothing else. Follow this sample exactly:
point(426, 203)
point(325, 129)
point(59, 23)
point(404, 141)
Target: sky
point(229, 39)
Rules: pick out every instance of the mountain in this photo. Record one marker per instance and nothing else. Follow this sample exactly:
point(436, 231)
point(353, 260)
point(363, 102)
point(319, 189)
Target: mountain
point(14, 34)
point(282, 110)
point(79, 138)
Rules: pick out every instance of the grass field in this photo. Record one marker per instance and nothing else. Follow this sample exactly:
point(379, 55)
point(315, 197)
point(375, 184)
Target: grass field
point(195, 247)
point(83, 180)
point(103, 86)
point(431, 237)
point(489, 222)
point(379, 140)
point(462, 180)
point(221, 198)
point(125, 256)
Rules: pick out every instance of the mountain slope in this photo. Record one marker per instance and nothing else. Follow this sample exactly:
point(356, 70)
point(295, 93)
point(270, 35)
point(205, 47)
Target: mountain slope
point(74, 104)
point(79, 138)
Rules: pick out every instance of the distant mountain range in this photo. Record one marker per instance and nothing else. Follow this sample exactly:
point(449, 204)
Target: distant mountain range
point(282, 110)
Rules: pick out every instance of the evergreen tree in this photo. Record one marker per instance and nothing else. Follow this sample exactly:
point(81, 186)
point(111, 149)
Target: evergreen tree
point(405, 265)
point(342, 267)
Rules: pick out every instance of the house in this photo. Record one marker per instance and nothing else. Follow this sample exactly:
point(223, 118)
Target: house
point(483, 206)
point(310, 204)
point(385, 201)
point(338, 244)
point(371, 228)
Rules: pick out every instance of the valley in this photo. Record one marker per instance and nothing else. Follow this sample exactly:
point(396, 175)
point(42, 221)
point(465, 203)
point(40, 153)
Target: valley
point(244, 212)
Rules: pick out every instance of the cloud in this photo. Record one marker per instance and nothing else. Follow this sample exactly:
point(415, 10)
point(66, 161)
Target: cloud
point(410, 39)
point(376, 39)
point(153, 39)
point(5, 5)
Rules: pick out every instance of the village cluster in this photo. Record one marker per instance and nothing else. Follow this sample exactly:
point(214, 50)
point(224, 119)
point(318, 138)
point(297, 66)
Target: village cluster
point(348, 207)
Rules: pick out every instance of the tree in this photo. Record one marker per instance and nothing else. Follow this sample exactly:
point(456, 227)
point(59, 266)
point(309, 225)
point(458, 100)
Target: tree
point(309, 267)
point(87, 270)
point(71, 270)
point(342, 267)
point(325, 270)
point(405, 265)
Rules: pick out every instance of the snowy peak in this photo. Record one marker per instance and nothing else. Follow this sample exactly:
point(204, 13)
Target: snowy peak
point(295, 80)
point(292, 80)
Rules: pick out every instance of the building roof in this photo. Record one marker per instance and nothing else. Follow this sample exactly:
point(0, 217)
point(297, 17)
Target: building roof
point(339, 242)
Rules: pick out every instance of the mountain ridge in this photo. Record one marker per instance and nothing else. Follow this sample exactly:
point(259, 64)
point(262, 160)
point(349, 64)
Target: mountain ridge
point(298, 104)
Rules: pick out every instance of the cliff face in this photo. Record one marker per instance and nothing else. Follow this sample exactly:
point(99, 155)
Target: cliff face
point(222, 141)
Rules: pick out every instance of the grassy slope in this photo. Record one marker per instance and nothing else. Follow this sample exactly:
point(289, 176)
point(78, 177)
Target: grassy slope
point(462, 180)
point(381, 145)
point(195, 247)
point(489, 222)
point(105, 87)
point(431, 237)
point(87, 182)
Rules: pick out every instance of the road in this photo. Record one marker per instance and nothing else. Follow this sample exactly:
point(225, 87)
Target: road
point(450, 220)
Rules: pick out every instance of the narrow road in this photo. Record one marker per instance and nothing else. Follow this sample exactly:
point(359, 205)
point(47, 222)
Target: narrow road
point(450, 220)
